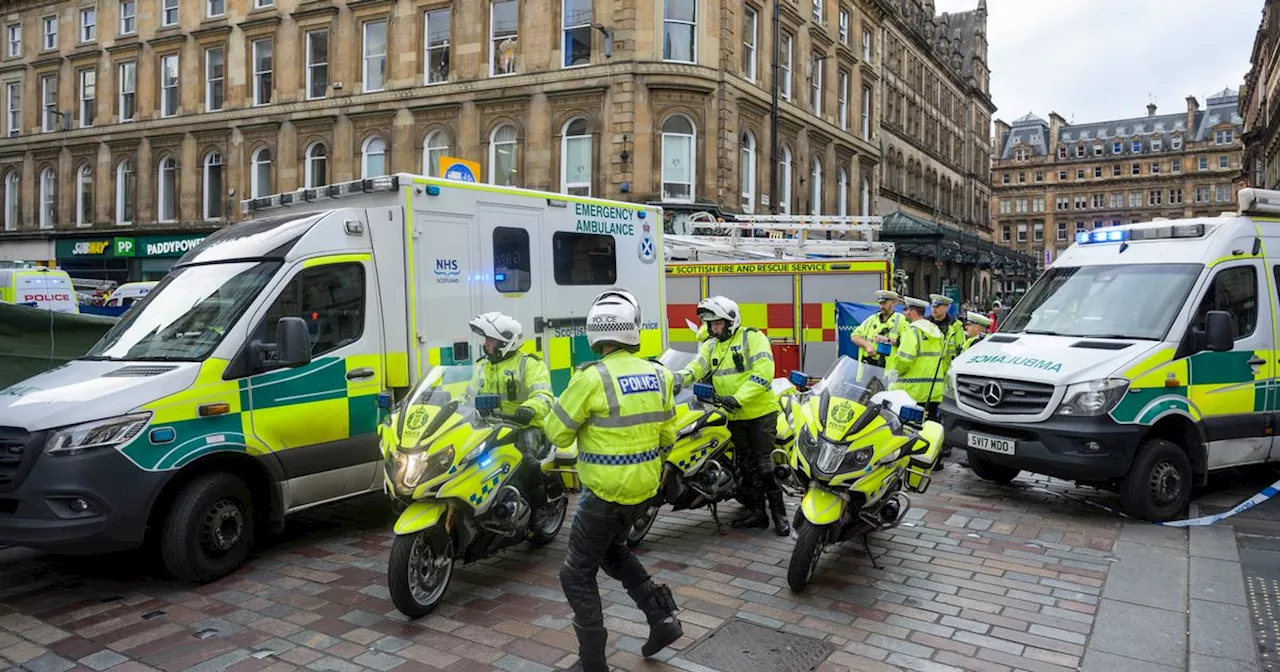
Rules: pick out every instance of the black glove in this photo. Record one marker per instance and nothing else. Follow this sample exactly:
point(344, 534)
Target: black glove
point(731, 403)
point(676, 386)
point(523, 415)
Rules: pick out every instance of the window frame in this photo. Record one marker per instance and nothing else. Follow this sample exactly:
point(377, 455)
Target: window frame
point(367, 58)
point(12, 201)
point(559, 264)
point(365, 154)
point(87, 104)
point(1197, 318)
point(13, 108)
point(747, 171)
point(816, 76)
point(47, 198)
point(88, 29)
point(566, 29)
point(210, 82)
point(310, 66)
point(171, 201)
point(693, 39)
point(815, 186)
point(270, 317)
point(493, 40)
point(428, 147)
point(257, 162)
point(842, 99)
point(164, 13)
point(428, 48)
point(13, 47)
point(565, 139)
point(49, 38)
point(49, 111)
point(262, 81)
point(750, 42)
point(209, 7)
point(867, 107)
point(494, 147)
point(85, 170)
point(129, 20)
point(692, 160)
point(126, 185)
point(213, 160)
point(122, 94)
point(308, 167)
point(168, 89)
point(786, 59)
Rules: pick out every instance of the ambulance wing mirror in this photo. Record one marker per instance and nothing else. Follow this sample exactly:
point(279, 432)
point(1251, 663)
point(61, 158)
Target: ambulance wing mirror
point(1219, 331)
point(293, 342)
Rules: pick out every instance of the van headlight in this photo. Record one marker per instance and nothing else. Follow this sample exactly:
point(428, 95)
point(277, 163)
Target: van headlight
point(949, 386)
point(87, 436)
point(1092, 398)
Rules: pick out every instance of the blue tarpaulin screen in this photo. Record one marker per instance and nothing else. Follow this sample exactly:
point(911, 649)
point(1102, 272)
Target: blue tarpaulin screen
point(848, 317)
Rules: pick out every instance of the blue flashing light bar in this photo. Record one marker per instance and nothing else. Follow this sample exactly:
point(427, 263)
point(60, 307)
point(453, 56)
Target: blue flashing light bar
point(1104, 235)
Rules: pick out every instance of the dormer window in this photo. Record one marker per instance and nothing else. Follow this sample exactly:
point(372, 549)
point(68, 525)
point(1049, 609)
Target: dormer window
point(1137, 146)
point(1080, 151)
point(1156, 143)
point(1062, 152)
point(1176, 142)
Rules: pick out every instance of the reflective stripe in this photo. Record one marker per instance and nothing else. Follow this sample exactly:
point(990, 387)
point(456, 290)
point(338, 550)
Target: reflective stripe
point(662, 381)
point(539, 387)
point(759, 356)
point(727, 372)
point(624, 421)
point(564, 418)
point(610, 395)
point(520, 368)
point(606, 459)
point(906, 356)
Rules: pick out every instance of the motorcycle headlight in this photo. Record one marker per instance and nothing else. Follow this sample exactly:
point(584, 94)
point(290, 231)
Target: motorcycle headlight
point(1093, 398)
point(857, 459)
point(414, 469)
point(829, 457)
point(98, 434)
point(808, 446)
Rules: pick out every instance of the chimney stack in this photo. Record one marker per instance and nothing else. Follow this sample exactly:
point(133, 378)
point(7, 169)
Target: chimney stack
point(1151, 109)
point(1193, 107)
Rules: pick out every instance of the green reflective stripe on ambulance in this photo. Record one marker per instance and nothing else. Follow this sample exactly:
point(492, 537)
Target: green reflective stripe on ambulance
point(321, 380)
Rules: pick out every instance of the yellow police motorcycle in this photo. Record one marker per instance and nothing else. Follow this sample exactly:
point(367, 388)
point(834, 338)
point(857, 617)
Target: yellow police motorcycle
point(700, 470)
point(453, 463)
point(859, 446)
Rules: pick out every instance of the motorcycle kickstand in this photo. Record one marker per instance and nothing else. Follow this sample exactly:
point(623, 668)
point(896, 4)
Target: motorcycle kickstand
point(716, 517)
point(866, 543)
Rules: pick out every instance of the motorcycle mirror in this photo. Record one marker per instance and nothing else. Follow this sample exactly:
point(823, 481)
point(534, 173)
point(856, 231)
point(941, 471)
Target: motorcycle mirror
point(487, 402)
point(692, 327)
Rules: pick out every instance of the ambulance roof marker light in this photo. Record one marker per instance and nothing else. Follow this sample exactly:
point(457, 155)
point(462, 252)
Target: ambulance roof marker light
point(1261, 201)
point(433, 190)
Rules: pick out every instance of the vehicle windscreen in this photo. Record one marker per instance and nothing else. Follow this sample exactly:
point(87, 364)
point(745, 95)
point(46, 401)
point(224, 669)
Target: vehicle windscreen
point(1135, 302)
point(674, 361)
point(187, 314)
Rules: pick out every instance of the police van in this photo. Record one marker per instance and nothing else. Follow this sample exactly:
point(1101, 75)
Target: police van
point(39, 287)
point(128, 294)
point(249, 383)
point(1145, 358)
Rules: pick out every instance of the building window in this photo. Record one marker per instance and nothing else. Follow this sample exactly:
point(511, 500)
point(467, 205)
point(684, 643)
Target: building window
point(1039, 176)
point(1155, 197)
point(213, 191)
point(213, 79)
point(125, 185)
point(1079, 151)
point(169, 13)
point(1062, 231)
point(1062, 203)
point(128, 17)
point(1005, 178)
point(1006, 206)
point(818, 11)
point(679, 30)
point(815, 85)
point(784, 63)
point(1022, 178)
point(1136, 169)
point(373, 157)
point(1175, 165)
point(843, 22)
point(1020, 206)
point(864, 198)
point(1079, 227)
point(1175, 196)
point(1037, 204)
point(1176, 142)
point(262, 64)
point(12, 211)
point(1204, 163)
point(1062, 176)
point(1062, 152)
point(1223, 137)
point(317, 64)
point(503, 144)
point(842, 101)
point(260, 174)
point(259, 4)
point(435, 146)
point(88, 97)
point(842, 192)
point(1202, 194)
point(13, 107)
point(374, 75)
point(1098, 200)
point(438, 32)
point(50, 32)
point(575, 44)
point(1038, 231)
point(1117, 199)
point(167, 190)
point(815, 188)
point(1224, 162)
point(1137, 146)
point(1135, 199)
point(866, 45)
point(575, 158)
point(316, 170)
point(169, 85)
point(1082, 202)
point(1006, 234)
point(49, 103)
point(1022, 233)
point(750, 36)
point(1115, 170)
point(48, 199)
point(678, 156)
point(1156, 143)
point(88, 24)
point(1097, 149)
point(1079, 173)
point(1117, 147)
point(14, 41)
point(127, 82)
point(1097, 171)
point(1155, 167)
point(747, 171)
point(1222, 193)
point(215, 8)
point(866, 113)
point(84, 196)
point(504, 37)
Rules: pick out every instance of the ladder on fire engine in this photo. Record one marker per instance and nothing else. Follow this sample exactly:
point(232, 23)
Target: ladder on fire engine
point(784, 237)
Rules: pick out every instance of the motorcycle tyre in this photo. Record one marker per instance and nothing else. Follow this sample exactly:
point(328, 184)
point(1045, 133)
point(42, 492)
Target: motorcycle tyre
point(398, 572)
point(805, 556)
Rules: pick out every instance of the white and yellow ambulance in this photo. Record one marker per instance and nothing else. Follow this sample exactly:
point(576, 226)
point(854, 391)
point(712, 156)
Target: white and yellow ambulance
point(39, 287)
point(248, 384)
point(1143, 359)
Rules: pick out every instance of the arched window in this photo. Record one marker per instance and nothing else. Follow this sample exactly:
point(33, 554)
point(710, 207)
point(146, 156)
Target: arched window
point(316, 167)
point(260, 175)
point(48, 198)
point(373, 161)
point(125, 193)
point(434, 146)
point(575, 158)
point(167, 190)
point(784, 182)
point(678, 156)
point(815, 188)
point(84, 196)
point(213, 189)
point(864, 200)
point(747, 172)
point(842, 192)
point(12, 212)
point(502, 156)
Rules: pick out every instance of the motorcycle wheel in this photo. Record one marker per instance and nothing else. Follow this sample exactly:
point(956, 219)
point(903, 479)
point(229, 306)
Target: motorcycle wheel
point(551, 523)
point(419, 571)
point(804, 557)
point(643, 524)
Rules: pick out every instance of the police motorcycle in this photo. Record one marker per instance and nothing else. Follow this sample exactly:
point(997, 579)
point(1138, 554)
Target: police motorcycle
point(452, 462)
point(859, 446)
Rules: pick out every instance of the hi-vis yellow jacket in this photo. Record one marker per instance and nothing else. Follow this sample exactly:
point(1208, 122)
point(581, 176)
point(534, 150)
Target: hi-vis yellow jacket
point(741, 367)
point(521, 380)
point(876, 326)
point(919, 361)
point(620, 411)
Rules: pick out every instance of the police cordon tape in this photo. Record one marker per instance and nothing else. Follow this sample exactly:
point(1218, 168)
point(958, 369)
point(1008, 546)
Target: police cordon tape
point(1262, 496)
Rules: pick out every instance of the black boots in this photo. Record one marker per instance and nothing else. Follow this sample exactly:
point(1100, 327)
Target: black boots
point(591, 645)
point(778, 510)
point(755, 517)
point(659, 608)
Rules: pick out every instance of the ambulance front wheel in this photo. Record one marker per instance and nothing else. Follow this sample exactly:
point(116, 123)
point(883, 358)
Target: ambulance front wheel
point(1158, 485)
point(990, 471)
point(209, 528)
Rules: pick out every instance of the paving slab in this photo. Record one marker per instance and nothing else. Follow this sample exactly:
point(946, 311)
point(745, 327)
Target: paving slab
point(1214, 541)
point(1221, 631)
point(1099, 661)
point(1141, 632)
point(1148, 575)
point(1217, 581)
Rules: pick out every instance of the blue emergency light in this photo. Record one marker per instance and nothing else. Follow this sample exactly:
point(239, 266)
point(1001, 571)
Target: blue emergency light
point(704, 390)
point(911, 414)
point(798, 378)
point(1105, 235)
point(487, 402)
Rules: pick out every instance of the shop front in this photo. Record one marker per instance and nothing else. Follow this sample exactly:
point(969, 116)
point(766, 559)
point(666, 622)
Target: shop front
point(120, 259)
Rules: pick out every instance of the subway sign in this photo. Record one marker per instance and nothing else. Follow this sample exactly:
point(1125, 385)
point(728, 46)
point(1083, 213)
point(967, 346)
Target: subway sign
point(125, 248)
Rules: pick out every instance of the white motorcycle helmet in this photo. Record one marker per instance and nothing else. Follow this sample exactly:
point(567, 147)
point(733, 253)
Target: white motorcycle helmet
point(720, 308)
point(614, 317)
point(504, 329)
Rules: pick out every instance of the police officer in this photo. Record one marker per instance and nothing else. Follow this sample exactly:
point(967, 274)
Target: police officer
point(524, 384)
point(975, 328)
point(919, 362)
point(621, 413)
point(883, 327)
point(950, 327)
point(739, 363)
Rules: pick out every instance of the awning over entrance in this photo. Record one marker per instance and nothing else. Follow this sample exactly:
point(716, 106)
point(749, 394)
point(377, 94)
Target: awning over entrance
point(931, 240)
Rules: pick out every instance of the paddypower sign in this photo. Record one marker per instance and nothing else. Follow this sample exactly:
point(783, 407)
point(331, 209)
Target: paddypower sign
point(145, 246)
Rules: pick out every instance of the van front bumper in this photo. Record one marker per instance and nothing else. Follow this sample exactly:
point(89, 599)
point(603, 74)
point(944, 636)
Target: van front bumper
point(95, 502)
point(1090, 450)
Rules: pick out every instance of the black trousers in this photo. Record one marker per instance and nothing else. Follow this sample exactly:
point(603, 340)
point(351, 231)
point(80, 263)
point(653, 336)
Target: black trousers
point(598, 541)
point(753, 442)
point(533, 446)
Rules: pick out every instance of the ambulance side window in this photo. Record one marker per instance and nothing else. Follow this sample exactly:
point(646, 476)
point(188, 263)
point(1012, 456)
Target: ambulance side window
point(584, 259)
point(330, 298)
point(1234, 290)
point(512, 271)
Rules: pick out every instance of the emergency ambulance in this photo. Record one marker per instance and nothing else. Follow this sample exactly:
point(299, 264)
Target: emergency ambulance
point(128, 294)
point(1142, 360)
point(248, 385)
point(44, 288)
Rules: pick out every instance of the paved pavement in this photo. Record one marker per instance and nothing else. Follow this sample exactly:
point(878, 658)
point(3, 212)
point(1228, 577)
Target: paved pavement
point(982, 577)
